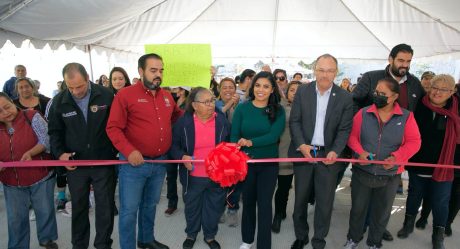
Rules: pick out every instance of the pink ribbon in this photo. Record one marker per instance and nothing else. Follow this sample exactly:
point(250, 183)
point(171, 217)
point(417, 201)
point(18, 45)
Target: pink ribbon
point(54, 163)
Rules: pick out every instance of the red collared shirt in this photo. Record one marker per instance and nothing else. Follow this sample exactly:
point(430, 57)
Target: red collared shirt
point(140, 120)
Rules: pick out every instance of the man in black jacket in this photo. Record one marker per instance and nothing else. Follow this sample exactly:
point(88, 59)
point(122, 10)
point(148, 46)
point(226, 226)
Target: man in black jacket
point(77, 121)
point(399, 64)
point(410, 87)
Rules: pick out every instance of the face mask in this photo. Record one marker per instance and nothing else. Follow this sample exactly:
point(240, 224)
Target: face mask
point(380, 101)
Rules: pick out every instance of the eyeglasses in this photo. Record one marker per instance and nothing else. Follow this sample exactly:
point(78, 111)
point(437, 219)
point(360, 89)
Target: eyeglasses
point(441, 90)
point(324, 71)
point(377, 93)
point(207, 102)
point(282, 78)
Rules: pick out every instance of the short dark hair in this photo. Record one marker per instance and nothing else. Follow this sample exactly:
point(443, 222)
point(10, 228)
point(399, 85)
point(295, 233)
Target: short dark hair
point(301, 76)
point(122, 71)
point(192, 97)
point(324, 56)
point(280, 71)
point(75, 67)
point(392, 84)
point(4, 95)
point(294, 82)
point(246, 73)
point(143, 59)
point(401, 48)
point(273, 106)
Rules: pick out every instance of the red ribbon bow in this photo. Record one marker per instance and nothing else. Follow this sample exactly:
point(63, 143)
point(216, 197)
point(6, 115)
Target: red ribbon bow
point(226, 164)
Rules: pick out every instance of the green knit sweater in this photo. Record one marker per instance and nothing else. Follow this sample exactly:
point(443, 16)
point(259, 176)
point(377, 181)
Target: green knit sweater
point(251, 122)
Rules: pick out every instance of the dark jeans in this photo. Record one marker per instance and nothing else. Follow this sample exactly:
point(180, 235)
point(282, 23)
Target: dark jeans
point(282, 194)
point(102, 180)
point(234, 195)
point(258, 191)
point(440, 196)
point(203, 207)
point(323, 179)
point(381, 192)
point(454, 204)
point(171, 181)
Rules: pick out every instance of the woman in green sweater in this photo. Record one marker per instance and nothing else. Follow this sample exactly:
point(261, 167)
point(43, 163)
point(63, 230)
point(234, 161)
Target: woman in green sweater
point(257, 126)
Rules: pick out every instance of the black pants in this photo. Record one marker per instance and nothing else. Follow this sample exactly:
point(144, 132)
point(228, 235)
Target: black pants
point(323, 179)
point(258, 191)
point(171, 181)
point(203, 207)
point(282, 194)
point(61, 177)
point(102, 180)
point(381, 192)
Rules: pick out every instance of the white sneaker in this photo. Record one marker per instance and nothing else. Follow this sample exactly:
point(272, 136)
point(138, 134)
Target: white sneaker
point(350, 245)
point(245, 246)
point(32, 215)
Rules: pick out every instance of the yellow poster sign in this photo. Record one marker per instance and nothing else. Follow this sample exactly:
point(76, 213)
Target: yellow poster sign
point(184, 64)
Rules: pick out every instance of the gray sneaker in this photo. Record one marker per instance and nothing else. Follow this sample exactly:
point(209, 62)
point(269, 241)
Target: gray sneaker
point(222, 218)
point(350, 245)
point(232, 218)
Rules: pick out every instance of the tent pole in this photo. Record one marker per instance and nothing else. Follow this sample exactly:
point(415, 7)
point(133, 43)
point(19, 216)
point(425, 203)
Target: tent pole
point(90, 63)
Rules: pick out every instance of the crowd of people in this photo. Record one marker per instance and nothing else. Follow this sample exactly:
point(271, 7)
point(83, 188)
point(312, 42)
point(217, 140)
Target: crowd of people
point(388, 116)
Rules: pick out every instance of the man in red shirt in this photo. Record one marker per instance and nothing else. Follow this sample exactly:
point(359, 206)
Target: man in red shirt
point(140, 128)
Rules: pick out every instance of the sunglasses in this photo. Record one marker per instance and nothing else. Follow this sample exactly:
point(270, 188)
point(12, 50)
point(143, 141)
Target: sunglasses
point(280, 78)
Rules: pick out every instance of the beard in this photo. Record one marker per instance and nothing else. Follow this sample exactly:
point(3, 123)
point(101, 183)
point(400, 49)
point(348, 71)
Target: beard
point(399, 71)
point(149, 84)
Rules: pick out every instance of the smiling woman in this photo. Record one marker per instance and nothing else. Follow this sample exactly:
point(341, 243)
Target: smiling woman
point(257, 126)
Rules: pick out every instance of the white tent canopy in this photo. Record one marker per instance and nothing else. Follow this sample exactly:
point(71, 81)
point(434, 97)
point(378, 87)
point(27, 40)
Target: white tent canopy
point(348, 29)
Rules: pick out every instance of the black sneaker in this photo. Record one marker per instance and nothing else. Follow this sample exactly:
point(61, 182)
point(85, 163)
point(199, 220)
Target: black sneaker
point(50, 245)
point(188, 243)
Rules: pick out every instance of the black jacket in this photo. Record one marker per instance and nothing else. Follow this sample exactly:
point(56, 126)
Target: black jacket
point(69, 132)
point(363, 92)
point(432, 131)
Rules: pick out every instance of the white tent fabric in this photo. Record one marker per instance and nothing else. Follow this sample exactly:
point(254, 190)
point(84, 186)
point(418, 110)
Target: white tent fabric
point(348, 29)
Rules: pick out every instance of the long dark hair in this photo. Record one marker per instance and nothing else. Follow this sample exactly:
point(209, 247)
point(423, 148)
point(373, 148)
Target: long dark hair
point(273, 105)
point(125, 75)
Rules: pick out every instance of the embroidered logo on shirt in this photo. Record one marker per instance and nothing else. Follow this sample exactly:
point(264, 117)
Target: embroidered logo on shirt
point(414, 96)
point(142, 100)
point(398, 123)
point(69, 114)
point(95, 108)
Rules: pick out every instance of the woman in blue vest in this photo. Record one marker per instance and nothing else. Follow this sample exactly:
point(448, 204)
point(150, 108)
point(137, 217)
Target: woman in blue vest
point(390, 134)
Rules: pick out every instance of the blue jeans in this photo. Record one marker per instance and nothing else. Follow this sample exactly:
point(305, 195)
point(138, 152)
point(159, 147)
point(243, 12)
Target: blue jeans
point(440, 196)
point(18, 201)
point(140, 189)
